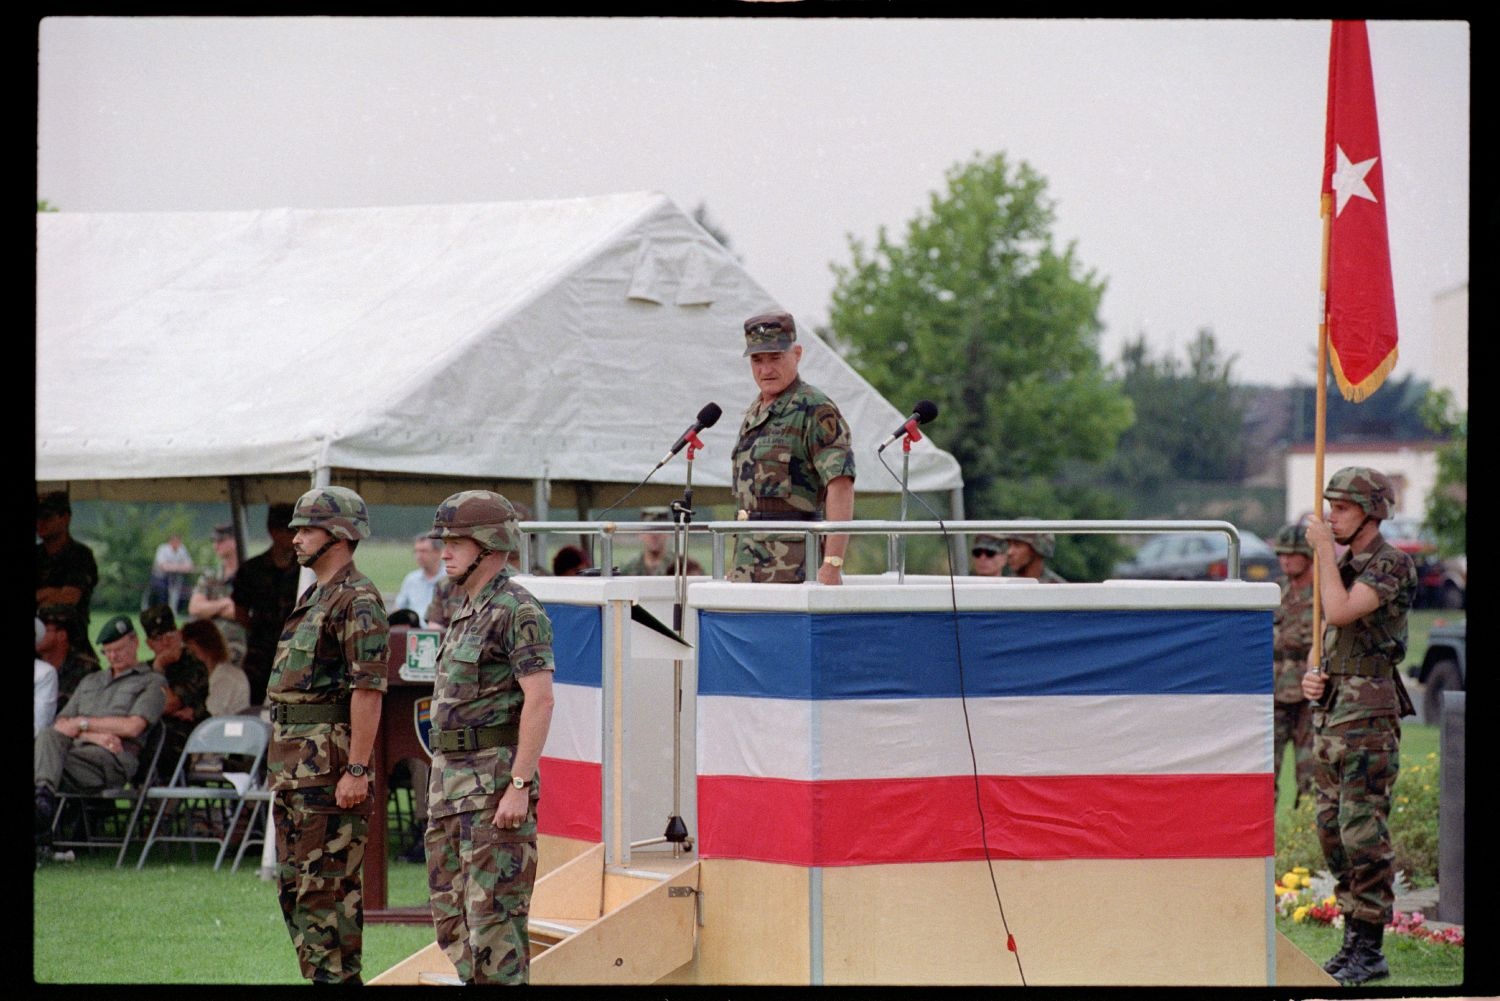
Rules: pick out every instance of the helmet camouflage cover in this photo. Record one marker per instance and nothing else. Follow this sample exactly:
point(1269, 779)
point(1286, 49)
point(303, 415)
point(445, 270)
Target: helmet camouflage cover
point(482, 515)
point(339, 511)
point(1364, 486)
point(1045, 543)
point(1293, 539)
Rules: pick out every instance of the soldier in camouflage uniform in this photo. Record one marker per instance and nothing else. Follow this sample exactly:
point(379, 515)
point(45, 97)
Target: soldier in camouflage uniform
point(1292, 631)
point(491, 709)
point(1360, 701)
point(186, 676)
point(652, 560)
point(793, 460)
point(988, 553)
point(212, 596)
point(1026, 555)
point(325, 690)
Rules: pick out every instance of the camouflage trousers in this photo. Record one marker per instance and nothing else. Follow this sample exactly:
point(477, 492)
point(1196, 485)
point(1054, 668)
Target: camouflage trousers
point(320, 852)
point(1355, 766)
point(480, 878)
point(768, 559)
point(1293, 726)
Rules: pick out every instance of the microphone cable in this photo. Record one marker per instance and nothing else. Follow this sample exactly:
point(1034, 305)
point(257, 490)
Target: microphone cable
point(963, 698)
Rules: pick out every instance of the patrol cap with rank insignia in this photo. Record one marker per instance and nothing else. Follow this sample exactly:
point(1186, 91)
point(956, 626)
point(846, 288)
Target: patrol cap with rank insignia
point(116, 628)
point(766, 332)
point(158, 620)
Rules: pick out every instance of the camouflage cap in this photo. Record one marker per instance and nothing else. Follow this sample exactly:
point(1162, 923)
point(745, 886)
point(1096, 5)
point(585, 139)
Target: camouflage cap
point(1292, 539)
point(158, 619)
point(339, 511)
point(54, 502)
point(482, 515)
point(1045, 543)
point(765, 332)
point(115, 629)
point(1364, 486)
point(988, 541)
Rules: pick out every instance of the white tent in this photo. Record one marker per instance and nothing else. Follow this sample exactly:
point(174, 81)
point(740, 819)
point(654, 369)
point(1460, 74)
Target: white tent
point(406, 352)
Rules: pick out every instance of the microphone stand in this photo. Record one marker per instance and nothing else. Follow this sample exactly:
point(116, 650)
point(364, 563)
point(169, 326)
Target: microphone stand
point(682, 514)
point(912, 434)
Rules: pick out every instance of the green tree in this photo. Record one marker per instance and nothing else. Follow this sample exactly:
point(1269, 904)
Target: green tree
point(1448, 506)
point(1189, 418)
point(124, 543)
point(42, 205)
point(977, 311)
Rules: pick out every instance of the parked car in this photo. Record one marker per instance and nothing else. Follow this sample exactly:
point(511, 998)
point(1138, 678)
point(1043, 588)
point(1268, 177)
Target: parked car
point(1199, 556)
point(1441, 583)
point(1443, 667)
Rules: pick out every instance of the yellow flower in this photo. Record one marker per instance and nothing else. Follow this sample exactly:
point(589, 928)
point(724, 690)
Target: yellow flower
point(1329, 901)
point(1306, 881)
point(1299, 913)
point(1290, 879)
point(1301, 870)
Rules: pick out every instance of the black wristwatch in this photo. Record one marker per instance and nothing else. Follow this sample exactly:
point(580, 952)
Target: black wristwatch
point(357, 770)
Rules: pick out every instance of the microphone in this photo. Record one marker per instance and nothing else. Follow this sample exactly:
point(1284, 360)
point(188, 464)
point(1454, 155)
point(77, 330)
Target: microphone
point(924, 411)
point(707, 418)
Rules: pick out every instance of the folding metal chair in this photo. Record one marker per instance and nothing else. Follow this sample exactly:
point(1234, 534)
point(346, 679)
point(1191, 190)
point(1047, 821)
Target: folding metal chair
point(103, 818)
point(195, 797)
point(255, 827)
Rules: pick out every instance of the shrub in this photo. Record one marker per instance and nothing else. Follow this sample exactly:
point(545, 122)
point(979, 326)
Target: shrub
point(124, 543)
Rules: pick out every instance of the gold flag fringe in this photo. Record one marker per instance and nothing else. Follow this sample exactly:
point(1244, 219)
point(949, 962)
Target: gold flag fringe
point(1355, 392)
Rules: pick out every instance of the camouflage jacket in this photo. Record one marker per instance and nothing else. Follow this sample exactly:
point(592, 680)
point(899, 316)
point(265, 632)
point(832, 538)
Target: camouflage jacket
point(188, 678)
point(447, 599)
point(1292, 630)
point(789, 450)
point(500, 635)
point(335, 640)
point(1379, 637)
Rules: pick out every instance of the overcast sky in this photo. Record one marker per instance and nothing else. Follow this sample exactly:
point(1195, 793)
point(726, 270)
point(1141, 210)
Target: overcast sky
point(1184, 157)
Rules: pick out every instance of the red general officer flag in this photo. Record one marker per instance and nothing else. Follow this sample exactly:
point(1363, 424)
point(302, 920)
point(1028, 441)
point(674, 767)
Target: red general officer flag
point(1361, 302)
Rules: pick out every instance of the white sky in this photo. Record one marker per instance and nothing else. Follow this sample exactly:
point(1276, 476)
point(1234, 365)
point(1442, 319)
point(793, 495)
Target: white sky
point(1184, 156)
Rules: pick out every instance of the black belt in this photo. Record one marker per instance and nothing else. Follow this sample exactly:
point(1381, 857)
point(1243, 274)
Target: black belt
point(475, 738)
point(313, 712)
point(781, 516)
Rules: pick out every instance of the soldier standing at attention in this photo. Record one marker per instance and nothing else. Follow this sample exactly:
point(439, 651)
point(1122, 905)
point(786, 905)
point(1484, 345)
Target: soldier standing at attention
point(1292, 629)
point(1360, 701)
point(793, 459)
point(491, 709)
point(325, 691)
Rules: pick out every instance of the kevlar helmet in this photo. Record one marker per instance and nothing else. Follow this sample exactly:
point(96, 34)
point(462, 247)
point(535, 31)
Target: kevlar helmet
point(482, 515)
point(1361, 485)
point(339, 511)
point(1293, 539)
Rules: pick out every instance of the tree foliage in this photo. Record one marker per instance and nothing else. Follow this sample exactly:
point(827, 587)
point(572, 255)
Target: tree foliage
point(124, 543)
point(975, 310)
point(1448, 505)
point(1189, 418)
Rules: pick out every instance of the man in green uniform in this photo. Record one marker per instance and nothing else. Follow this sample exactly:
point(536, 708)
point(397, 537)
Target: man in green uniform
point(66, 647)
point(66, 572)
point(325, 690)
point(793, 461)
point(653, 560)
point(1292, 632)
point(1026, 555)
point(989, 555)
point(97, 738)
point(1360, 701)
point(491, 709)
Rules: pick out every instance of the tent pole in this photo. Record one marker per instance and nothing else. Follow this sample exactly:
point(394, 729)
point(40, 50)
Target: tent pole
point(957, 545)
point(540, 488)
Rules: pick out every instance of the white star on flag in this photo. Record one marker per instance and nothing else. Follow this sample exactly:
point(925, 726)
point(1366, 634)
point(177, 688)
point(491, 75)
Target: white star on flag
point(1349, 179)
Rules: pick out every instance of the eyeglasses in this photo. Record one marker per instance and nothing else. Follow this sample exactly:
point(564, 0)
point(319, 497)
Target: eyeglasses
point(978, 552)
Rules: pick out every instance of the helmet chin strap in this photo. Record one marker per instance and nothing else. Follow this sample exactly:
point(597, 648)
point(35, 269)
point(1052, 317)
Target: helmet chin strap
point(311, 561)
point(463, 577)
point(1351, 536)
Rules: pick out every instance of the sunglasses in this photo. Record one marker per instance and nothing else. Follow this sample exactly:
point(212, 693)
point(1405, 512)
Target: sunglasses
point(978, 552)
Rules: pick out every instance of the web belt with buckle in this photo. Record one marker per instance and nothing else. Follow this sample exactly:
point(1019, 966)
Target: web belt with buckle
point(315, 712)
point(475, 738)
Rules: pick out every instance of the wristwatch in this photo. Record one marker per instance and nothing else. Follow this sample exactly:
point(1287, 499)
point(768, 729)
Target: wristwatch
point(356, 769)
point(834, 561)
point(518, 782)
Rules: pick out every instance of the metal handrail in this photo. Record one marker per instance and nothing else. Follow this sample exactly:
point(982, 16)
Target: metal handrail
point(810, 530)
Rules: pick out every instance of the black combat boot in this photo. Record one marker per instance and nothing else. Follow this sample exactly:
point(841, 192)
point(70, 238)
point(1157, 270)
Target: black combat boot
point(1341, 957)
point(46, 806)
point(1366, 962)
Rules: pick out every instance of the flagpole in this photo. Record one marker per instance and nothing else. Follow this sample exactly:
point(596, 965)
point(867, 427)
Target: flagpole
point(1320, 422)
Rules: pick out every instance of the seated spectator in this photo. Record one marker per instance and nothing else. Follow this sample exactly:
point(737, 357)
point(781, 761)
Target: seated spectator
point(66, 648)
point(96, 740)
point(570, 561)
point(228, 688)
point(169, 574)
point(211, 598)
point(43, 687)
point(186, 697)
